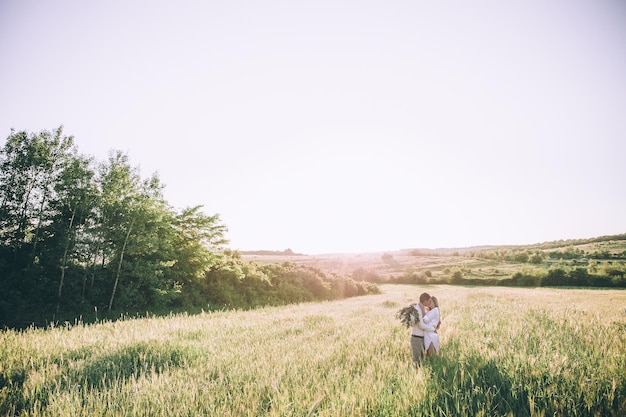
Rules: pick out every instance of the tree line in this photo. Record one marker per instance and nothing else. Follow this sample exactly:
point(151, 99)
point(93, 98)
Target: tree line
point(598, 248)
point(80, 237)
point(609, 276)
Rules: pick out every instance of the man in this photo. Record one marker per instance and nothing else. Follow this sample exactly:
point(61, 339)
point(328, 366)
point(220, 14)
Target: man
point(417, 332)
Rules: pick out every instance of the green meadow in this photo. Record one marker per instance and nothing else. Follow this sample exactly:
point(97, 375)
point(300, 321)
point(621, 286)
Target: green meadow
point(505, 352)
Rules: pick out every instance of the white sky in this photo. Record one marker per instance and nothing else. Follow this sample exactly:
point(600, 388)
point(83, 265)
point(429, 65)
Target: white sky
point(344, 125)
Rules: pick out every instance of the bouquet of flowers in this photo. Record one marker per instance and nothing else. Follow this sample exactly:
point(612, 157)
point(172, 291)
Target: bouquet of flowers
point(408, 316)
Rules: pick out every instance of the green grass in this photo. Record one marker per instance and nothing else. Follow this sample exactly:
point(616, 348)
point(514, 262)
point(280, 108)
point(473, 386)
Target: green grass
point(505, 351)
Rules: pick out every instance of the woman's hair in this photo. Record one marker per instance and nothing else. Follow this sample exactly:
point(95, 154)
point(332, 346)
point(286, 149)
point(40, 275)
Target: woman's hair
point(436, 303)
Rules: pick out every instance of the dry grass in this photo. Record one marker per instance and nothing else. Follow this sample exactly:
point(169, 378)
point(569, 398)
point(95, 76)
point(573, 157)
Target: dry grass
point(505, 352)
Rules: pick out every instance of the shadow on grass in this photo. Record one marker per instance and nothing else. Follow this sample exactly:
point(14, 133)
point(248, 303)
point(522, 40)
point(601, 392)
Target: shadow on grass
point(96, 372)
point(472, 385)
point(469, 385)
point(131, 361)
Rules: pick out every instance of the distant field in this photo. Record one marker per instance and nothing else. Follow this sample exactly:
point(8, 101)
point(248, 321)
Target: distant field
point(440, 263)
point(505, 352)
point(399, 264)
point(345, 264)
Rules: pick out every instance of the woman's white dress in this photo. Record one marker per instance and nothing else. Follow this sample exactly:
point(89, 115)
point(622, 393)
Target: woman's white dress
point(432, 319)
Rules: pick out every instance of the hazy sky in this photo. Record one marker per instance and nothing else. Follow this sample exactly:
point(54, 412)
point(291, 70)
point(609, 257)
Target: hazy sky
point(345, 125)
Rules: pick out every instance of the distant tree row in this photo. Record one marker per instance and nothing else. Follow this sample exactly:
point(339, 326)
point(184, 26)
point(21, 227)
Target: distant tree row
point(247, 284)
point(79, 236)
point(609, 276)
point(537, 256)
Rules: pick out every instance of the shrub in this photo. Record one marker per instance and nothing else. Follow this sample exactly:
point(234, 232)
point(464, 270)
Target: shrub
point(456, 277)
point(520, 279)
point(362, 274)
point(600, 281)
point(579, 277)
point(555, 277)
point(613, 271)
point(521, 257)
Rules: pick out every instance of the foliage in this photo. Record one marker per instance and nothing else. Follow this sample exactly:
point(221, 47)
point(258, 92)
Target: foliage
point(611, 247)
point(78, 236)
point(82, 238)
point(489, 272)
point(369, 275)
point(408, 316)
point(238, 284)
point(456, 276)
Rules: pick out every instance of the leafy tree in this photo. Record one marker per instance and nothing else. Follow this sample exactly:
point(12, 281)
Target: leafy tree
point(136, 228)
point(77, 234)
point(119, 208)
point(196, 241)
point(578, 277)
point(521, 257)
point(457, 276)
point(536, 258)
point(555, 277)
point(74, 206)
point(32, 167)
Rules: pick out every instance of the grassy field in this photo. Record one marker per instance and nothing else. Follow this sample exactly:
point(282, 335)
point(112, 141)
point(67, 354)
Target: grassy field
point(440, 264)
point(505, 351)
point(399, 264)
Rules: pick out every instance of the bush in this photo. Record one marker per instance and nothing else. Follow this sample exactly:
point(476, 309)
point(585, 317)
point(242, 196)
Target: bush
point(600, 281)
point(521, 257)
point(520, 279)
point(613, 271)
point(456, 277)
point(362, 274)
point(555, 277)
point(579, 277)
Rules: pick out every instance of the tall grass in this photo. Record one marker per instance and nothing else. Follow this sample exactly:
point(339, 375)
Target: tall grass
point(505, 351)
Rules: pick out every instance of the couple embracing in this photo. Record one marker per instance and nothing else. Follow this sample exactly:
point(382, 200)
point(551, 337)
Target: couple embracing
point(424, 337)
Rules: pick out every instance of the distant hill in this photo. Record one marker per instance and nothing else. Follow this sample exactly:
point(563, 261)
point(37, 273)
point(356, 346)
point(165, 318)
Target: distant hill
point(455, 251)
point(533, 246)
point(486, 261)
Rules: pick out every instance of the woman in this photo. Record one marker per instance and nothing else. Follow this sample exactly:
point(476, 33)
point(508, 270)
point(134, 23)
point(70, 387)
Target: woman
point(432, 318)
